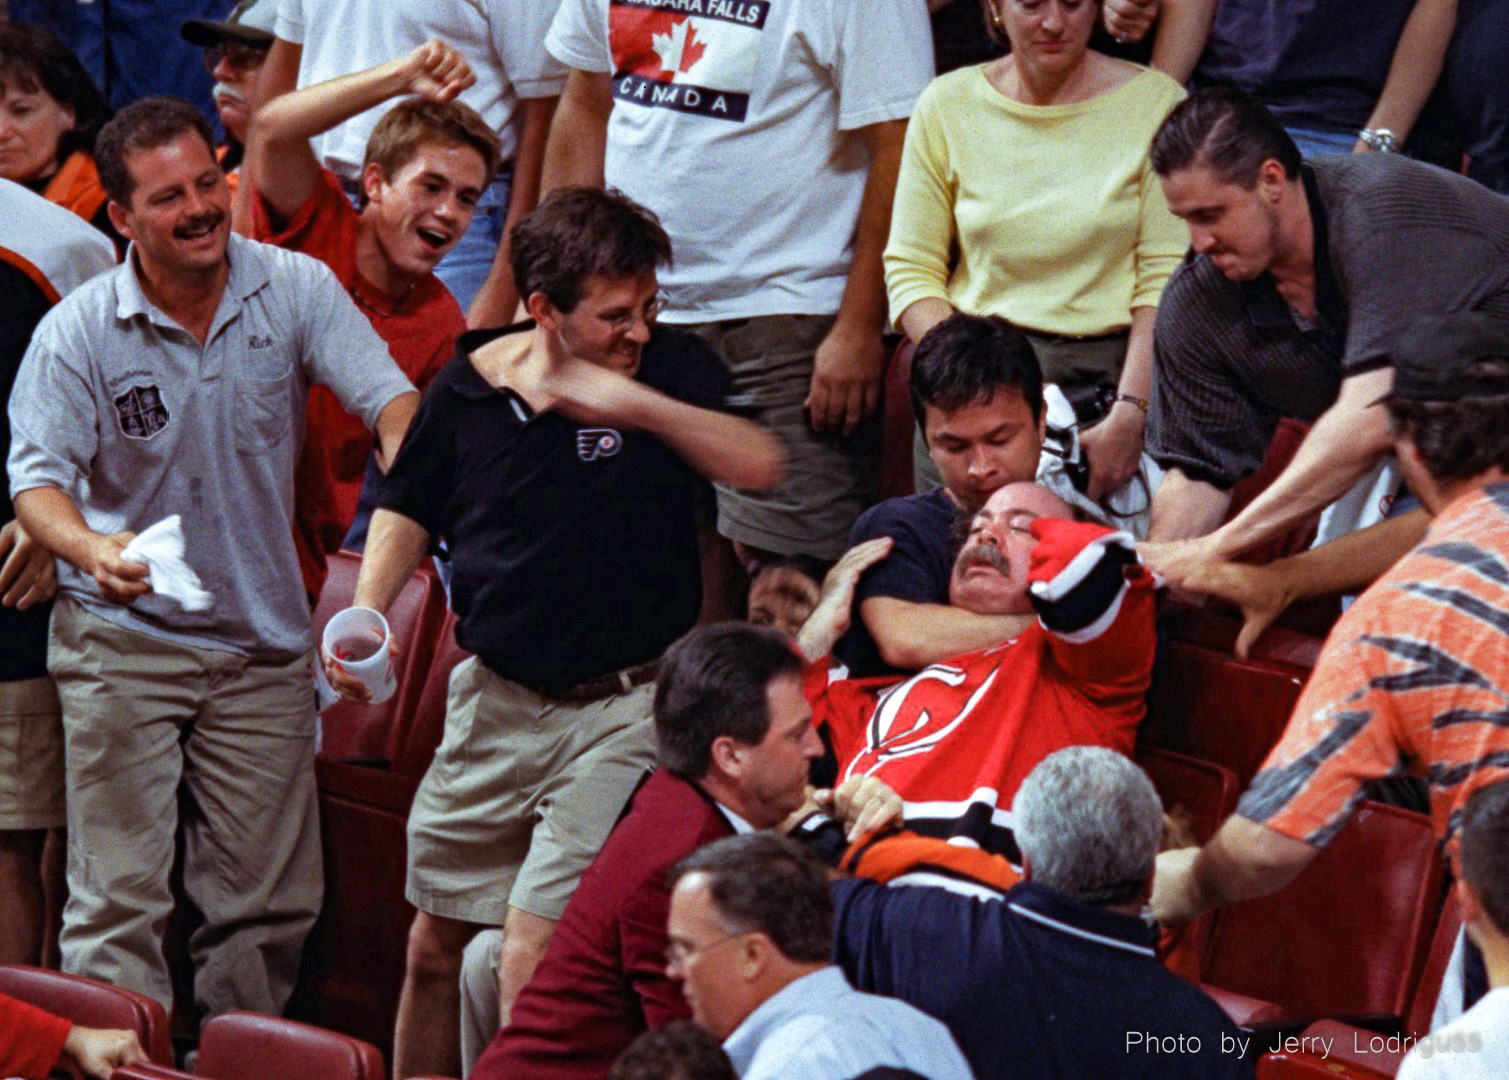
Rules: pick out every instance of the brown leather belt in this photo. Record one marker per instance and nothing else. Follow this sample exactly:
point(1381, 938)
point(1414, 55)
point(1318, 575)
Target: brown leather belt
point(618, 682)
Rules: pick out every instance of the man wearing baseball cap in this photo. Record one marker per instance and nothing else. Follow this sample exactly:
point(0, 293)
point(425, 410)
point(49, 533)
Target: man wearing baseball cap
point(1416, 673)
point(234, 51)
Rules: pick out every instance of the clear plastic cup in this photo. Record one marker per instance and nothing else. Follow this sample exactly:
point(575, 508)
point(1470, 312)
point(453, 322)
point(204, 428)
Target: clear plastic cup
point(357, 639)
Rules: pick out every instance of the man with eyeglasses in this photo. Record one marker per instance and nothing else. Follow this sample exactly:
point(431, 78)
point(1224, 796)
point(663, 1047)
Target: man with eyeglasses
point(734, 740)
point(234, 51)
point(564, 460)
point(751, 943)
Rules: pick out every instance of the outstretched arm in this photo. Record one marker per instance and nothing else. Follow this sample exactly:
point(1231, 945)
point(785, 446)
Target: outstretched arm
point(279, 159)
point(1243, 861)
point(49, 515)
point(579, 133)
point(726, 449)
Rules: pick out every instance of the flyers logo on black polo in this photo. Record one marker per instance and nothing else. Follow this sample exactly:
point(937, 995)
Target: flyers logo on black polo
point(694, 56)
point(594, 443)
point(141, 412)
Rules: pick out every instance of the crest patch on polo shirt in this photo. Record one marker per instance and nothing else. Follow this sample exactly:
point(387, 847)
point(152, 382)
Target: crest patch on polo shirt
point(141, 412)
point(594, 443)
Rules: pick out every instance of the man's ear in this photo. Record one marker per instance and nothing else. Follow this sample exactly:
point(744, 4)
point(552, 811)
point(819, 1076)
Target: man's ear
point(754, 955)
point(542, 311)
point(373, 179)
point(120, 218)
point(1271, 180)
point(726, 753)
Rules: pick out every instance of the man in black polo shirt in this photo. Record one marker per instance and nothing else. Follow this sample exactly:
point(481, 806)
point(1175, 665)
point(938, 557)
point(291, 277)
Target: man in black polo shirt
point(1298, 280)
point(562, 460)
point(1059, 977)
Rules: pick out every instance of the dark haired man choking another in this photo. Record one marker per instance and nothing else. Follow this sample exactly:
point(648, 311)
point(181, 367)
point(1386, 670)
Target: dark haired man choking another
point(562, 460)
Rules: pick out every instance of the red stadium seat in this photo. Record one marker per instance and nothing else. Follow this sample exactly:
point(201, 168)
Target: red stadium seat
point(367, 732)
point(1285, 1065)
point(92, 1003)
point(1202, 794)
point(248, 1046)
point(1207, 703)
point(353, 965)
point(1244, 1012)
point(1349, 936)
point(898, 424)
point(144, 1070)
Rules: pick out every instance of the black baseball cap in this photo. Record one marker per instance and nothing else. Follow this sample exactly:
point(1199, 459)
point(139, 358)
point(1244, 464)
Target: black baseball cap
point(1432, 359)
point(250, 23)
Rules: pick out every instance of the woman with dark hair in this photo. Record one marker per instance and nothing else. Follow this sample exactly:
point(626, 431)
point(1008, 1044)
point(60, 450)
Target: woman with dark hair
point(1025, 192)
point(50, 113)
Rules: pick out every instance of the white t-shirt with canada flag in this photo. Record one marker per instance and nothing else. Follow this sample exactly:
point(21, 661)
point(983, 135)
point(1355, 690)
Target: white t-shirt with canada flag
point(737, 122)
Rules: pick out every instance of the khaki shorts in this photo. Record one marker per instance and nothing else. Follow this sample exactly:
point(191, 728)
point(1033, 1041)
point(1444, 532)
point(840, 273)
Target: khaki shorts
point(521, 795)
point(31, 756)
point(830, 478)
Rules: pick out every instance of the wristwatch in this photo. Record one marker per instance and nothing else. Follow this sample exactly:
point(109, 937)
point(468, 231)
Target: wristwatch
point(1379, 139)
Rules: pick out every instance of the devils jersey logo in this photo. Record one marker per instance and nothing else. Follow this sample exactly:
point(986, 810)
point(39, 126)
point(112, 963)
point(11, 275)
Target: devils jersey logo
point(915, 716)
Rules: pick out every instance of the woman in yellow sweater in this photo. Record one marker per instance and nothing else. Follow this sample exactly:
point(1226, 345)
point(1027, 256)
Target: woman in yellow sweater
point(1025, 192)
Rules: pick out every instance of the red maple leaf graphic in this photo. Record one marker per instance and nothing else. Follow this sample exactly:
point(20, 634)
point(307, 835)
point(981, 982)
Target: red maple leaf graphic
point(692, 51)
point(678, 48)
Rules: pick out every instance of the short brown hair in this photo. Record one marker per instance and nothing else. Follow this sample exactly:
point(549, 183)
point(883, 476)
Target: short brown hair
point(1458, 440)
point(145, 125)
point(583, 232)
point(413, 123)
point(679, 1051)
point(35, 58)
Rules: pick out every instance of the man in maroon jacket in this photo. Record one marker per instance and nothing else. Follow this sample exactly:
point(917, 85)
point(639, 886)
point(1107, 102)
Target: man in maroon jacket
point(734, 739)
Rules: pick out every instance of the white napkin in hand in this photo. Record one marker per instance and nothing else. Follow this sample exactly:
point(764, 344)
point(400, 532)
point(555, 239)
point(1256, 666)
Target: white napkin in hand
point(161, 547)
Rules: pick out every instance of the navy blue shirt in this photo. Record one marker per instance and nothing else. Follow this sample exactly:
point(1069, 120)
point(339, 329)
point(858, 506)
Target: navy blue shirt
point(917, 569)
point(1315, 63)
point(1034, 984)
point(575, 548)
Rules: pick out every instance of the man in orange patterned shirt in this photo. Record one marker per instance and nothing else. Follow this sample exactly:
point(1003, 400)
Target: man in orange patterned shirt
point(1416, 674)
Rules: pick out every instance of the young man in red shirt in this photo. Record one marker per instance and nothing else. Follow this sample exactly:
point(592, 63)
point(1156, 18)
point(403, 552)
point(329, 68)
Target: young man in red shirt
point(428, 162)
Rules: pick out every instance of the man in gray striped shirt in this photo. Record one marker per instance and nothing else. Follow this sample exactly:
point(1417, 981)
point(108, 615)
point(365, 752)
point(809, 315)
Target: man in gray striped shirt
point(1299, 278)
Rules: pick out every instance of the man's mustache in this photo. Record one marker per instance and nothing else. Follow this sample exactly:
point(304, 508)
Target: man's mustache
point(986, 555)
point(222, 90)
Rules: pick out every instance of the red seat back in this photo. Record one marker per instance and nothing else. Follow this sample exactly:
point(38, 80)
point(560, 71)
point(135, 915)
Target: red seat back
point(1423, 1006)
point(1286, 439)
point(92, 1003)
point(1202, 794)
point(1284, 1065)
point(1349, 936)
point(426, 723)
point(144, 1070)
point(368, 732)
point(1207, 703)
point(898, 424)
point(1243, 1011)
point(248, 1046)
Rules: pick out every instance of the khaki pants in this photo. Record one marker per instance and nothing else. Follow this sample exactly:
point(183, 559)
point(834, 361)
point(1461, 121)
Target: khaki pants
point(831, 478)
point(140, 715)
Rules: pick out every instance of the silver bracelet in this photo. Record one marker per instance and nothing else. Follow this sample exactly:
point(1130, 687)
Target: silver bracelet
point(1379, 139)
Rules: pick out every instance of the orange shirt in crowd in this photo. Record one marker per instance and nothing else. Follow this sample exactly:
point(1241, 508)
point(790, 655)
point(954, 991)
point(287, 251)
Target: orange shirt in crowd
point(420, 331)
point(1413, 674)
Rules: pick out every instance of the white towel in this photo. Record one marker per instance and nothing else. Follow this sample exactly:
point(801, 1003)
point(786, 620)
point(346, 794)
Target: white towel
point(161, 547)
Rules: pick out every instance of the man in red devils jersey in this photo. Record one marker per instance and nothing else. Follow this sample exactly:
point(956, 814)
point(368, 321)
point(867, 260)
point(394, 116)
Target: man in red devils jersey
point(957, 738)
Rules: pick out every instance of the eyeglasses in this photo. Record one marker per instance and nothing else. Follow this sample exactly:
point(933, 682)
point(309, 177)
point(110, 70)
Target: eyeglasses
point(677, 953)
point(239, 56)
point(624, 323)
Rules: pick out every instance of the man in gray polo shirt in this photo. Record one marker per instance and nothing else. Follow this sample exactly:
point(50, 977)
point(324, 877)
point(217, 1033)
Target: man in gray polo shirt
point(177, 384)
point(1298, 280)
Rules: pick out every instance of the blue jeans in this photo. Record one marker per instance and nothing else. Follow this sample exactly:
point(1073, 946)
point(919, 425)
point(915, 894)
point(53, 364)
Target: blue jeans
point(466, 267)
point(1321, 142)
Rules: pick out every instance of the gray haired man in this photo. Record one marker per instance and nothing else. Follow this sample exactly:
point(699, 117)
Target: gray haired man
point(1076, 988)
